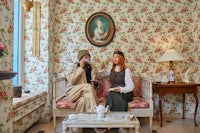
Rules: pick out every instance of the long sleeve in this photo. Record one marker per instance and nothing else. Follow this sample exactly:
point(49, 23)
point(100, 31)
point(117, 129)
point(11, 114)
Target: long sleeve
point(75, 74)
point(129, 85)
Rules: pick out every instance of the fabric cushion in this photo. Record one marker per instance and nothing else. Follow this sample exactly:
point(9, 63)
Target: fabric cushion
point(102, 90)
point(138, 102)
point(137, 87)
point(103, 87)
point(64, 103)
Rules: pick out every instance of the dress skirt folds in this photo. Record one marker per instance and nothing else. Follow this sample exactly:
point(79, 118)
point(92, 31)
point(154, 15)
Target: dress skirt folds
point(118, 101)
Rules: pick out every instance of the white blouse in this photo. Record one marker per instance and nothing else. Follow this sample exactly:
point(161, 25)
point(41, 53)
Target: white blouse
point(129, 85)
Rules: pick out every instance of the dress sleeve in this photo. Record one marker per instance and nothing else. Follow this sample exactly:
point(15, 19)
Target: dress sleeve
point(74, 74)
point(129, 85)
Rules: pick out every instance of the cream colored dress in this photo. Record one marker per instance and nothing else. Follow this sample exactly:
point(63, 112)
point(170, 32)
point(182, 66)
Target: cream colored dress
point(80, 91)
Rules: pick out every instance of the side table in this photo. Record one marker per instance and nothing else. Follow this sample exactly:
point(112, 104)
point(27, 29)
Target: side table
point(176, 88)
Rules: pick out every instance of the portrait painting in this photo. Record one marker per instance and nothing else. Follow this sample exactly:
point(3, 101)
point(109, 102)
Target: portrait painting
point(100, 29)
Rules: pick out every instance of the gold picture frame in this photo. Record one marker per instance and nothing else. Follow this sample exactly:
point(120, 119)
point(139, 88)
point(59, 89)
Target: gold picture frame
point(100, 29)
point(36, 29)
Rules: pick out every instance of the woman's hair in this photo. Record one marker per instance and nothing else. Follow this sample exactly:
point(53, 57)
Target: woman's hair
point(119, 53)
point(121, 61)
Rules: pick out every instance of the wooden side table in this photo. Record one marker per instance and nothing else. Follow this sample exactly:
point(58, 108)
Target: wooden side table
point(176, 88)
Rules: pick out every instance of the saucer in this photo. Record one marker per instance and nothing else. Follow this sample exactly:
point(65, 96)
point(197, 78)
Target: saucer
point(72, 117)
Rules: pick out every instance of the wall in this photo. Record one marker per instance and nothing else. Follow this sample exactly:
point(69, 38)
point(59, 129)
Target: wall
point(6, 93)
point(38, 69)
point(144, 30)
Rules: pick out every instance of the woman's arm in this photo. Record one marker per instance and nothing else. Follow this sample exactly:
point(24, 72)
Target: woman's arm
point(129, 85)
point(74, 74)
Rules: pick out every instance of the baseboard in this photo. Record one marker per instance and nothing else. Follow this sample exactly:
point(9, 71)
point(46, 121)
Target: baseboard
point(187, 116)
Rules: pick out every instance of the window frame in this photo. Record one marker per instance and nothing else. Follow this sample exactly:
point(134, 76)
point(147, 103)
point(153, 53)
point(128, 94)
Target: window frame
point(18, 46)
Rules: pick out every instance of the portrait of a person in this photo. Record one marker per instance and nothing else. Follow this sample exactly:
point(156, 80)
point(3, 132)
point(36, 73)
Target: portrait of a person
point(101, 31)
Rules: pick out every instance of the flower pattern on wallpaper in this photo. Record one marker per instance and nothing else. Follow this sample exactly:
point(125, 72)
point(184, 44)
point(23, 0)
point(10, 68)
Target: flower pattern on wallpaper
point(6, 30)
point(3, 50)
point(144, 30)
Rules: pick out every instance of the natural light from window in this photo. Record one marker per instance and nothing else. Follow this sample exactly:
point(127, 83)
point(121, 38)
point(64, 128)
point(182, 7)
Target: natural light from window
point(18, 43)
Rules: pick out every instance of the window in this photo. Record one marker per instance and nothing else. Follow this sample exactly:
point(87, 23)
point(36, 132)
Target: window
point(18, 48)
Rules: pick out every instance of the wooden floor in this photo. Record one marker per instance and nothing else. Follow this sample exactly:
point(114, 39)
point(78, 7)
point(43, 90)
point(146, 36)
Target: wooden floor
point(171, 125)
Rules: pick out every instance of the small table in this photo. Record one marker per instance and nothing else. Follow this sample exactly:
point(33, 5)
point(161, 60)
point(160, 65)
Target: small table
point(177, 88)
point(111, 120)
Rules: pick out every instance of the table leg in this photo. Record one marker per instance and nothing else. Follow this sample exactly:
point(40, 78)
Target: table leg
point(183, 105)
point(130, 130)
point(197, 102)
point(64, 128)
point(80, 130)
point(137, 129)
point(160, 104)
point(70, 130)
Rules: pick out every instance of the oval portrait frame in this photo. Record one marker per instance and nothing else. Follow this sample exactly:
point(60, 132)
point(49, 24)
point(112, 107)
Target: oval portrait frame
point(104, 34)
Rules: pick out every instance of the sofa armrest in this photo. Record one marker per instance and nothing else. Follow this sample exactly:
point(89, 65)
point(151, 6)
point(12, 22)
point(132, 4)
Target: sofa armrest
point(59, 88)
point(146, 86)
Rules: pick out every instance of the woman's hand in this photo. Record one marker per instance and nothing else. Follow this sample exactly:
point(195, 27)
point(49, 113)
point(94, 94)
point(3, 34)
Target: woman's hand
point(102, 65)
point(96, 81)
point(117, 89)
point(82, 63)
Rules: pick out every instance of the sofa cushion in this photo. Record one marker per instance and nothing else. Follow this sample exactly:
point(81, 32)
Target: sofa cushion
point(138, 102)
point(64, 103)
point(104, 85)
point(137, 87)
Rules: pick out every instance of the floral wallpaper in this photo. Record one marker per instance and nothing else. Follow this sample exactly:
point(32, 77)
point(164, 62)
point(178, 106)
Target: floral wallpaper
point(144, 30)
point(38, 69)
point(6, 93)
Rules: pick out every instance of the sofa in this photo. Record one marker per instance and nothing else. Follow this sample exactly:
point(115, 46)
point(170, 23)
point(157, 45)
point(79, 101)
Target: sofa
point(140, 106)
point(27, 109)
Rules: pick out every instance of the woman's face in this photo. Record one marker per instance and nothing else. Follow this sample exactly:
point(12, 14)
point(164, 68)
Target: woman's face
point(115, 58)
point(99, 23)
point(85, 58)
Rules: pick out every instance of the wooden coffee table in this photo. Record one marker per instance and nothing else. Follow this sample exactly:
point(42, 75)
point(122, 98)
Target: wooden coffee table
point(111, 120)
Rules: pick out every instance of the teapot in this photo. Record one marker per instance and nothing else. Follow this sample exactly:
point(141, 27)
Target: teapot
point(100, 110)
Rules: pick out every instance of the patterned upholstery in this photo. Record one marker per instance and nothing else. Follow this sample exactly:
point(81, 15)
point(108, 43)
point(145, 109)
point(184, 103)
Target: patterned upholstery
point(102, 91)
point(138, 102)
point(137, 87)
point(64, 103)
point(141, 106)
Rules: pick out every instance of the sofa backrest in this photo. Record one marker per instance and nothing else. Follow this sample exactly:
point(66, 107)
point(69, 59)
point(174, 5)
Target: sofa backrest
point(137, 87)
point(104, 85)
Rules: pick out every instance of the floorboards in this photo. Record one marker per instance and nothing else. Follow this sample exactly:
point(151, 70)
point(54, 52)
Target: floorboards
point(170, 124)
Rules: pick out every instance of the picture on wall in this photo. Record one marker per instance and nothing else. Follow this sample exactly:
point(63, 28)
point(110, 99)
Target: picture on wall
point(100, 29)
